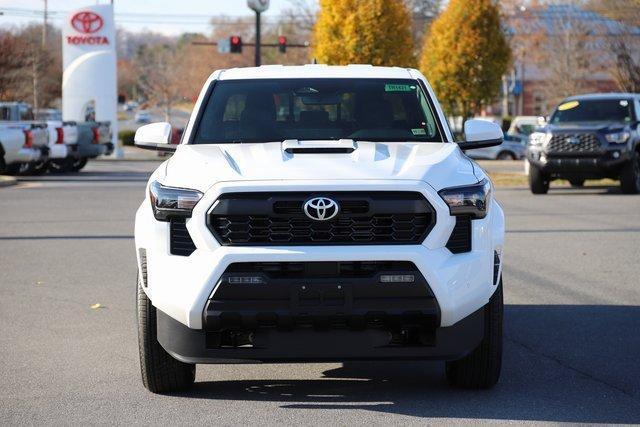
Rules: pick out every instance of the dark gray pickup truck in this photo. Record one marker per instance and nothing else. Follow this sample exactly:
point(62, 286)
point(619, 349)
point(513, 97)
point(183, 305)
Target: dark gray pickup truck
point(588, 137)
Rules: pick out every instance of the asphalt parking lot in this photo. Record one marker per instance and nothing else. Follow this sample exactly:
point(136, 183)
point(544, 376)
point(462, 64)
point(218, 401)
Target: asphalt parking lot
point(572, 291)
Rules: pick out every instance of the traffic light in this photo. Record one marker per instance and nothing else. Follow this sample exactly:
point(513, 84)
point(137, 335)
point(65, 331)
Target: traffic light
point(235, 43)
point(282, 44)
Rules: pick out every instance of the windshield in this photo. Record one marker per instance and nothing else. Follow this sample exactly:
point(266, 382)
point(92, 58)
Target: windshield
point(263, 110)
point(600, 110)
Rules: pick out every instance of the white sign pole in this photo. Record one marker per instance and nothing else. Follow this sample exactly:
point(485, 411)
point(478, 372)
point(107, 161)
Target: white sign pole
point(89, 79)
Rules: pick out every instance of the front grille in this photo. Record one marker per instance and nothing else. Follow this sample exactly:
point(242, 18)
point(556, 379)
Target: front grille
point(246, 219)
point(180, 242)
point(460, 239)
point(574, 143)
point(320, 296)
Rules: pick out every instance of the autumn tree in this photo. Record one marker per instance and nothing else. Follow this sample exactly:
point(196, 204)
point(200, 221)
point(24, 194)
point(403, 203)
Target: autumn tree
point(465, 55)
point(374, 32)
point(160, 71)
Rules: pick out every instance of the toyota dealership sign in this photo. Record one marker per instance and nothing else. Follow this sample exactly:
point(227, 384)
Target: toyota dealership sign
point(89, 82)
point(86, 23)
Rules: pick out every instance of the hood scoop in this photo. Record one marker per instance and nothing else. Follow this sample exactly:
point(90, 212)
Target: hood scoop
point(294, 146)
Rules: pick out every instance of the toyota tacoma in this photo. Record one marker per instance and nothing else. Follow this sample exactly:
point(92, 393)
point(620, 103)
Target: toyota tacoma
point(588, 137)
point(318, 213)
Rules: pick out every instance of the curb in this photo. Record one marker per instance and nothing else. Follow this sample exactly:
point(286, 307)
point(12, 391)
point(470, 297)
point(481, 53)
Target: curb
point(6, 181)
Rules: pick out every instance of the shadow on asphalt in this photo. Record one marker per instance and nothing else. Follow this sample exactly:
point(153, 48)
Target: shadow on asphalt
point(562, 363)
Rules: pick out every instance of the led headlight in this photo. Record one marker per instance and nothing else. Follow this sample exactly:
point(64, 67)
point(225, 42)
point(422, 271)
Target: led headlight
point(618, 137)
point(470, 200)
point(171, 202)
point(539, 138)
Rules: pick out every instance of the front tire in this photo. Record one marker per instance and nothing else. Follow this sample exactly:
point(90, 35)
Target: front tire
point(61, 165)
point(506, 155)
point(538, 182)
point(481, 368)
point(630, 176)
point(161, 373)
point(79, 164)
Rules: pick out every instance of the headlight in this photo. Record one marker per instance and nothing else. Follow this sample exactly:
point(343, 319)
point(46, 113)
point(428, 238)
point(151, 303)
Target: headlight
point(168, 202)
point(539, 138)
point(471, 200)
point(618, 137)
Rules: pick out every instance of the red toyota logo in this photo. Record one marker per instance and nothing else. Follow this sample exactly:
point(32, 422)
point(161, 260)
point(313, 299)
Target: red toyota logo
point(87, 22)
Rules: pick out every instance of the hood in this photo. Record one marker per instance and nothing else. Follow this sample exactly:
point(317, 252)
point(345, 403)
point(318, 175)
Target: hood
point(201, 166)
point(600, 127)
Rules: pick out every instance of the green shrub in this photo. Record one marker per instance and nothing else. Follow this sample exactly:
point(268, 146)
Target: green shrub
point(126, 136)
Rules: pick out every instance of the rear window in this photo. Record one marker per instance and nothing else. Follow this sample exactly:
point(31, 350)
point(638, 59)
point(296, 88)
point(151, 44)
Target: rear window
point(266, 110)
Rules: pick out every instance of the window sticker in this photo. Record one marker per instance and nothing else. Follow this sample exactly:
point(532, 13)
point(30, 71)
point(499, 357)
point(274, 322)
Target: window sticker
point(568, 105)
point(624, 103)
point(418, 131)
point(389, 87)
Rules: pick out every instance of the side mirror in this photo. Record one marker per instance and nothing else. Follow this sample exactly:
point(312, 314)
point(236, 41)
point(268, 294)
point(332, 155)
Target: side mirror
point(480, 134)
point(154, 136)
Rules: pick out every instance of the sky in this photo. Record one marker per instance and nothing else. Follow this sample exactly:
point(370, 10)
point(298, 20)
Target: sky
point(165, 16)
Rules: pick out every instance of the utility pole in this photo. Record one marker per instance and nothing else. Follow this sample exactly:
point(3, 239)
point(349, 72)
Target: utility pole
point(44, 26)
point(258, 6)
point(258, 57)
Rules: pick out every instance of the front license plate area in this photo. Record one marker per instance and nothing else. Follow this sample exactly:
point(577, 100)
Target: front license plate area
point(325, 298)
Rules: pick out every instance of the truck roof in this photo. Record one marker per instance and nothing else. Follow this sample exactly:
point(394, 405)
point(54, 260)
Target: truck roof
point(610, 95)
point(315, 71)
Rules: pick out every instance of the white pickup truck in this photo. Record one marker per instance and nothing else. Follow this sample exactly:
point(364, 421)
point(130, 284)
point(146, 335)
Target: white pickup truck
point(319, 213)
point(24, 143)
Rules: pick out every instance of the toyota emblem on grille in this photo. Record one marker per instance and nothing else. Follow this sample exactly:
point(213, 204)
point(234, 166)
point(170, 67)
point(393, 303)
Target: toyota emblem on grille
point(572, 140)
point(321, 208)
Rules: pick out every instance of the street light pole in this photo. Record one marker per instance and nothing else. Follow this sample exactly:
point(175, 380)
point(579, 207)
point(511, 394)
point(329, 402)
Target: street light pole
point(258, 57)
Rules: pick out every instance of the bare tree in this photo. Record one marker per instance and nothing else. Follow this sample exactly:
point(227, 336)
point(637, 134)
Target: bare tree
point(627, 64)
point(161, 76)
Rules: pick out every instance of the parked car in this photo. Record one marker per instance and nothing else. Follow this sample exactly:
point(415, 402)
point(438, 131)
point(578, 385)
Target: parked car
point(512, 148)
point(87, 140)
point(142, 116)
point(17, 115)
point(588, 137)
point(16, 149)
point(63, 136)
point(524, 126)
point(131, 106)
point(346, 225)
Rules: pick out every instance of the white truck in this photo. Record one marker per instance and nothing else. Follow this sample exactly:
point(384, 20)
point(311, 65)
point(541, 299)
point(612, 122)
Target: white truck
point(32, 155)
point(319, 213)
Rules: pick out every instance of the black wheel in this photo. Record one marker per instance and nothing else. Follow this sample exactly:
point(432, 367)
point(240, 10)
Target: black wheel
point(20, 169)
point(61, 165)
point(39, 168)
point(161, 373)
point(78, 164)
point(3, 165)
point(577, 183)
point(538, 182)
point(506, 155)
point(630, 175)
point(481, 368)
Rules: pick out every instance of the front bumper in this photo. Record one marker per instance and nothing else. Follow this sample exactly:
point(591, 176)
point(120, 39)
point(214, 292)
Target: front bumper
point(181, 286)
point(191, 345)
point(606, 164)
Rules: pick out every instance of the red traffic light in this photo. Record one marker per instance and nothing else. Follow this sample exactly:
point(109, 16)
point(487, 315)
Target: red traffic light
point(282, 44)
point(235, 44)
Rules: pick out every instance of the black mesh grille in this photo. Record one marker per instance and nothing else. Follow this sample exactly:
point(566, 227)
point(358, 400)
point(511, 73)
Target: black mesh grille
point(180, 241)
point(572, 143)
point(460, 239)
point(364, 218)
